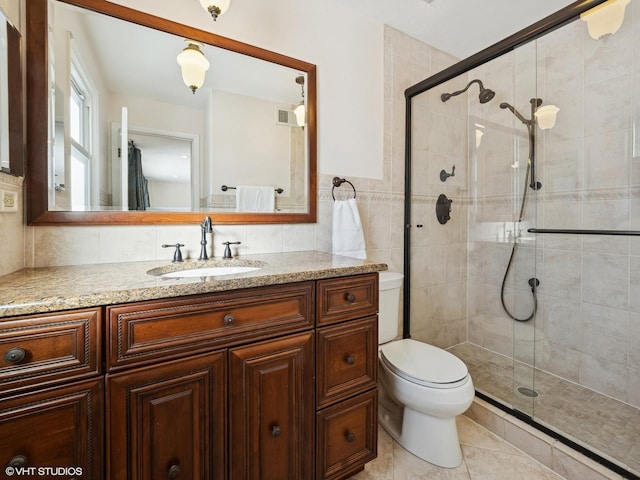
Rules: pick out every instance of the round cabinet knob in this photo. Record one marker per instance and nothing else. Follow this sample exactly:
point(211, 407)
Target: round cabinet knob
point(276, 430)
point(350, 436)
point(351, 297)
point(174, 472)
point(229, 318)
point(350, 359)
point(18, 461)
point(15, 355)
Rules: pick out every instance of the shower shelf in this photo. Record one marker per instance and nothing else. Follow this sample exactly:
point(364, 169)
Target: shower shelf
point(626, 233)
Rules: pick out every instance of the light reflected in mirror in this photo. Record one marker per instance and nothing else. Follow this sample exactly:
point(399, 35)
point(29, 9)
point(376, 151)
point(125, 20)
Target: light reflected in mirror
point(132, 143)
point(11, 124)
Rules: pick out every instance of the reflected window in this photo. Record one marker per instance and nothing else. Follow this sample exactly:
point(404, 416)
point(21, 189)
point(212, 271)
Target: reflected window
point(80, 130)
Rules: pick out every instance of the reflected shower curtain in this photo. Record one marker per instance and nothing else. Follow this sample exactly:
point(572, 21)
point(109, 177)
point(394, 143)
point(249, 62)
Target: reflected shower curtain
point(138, 187)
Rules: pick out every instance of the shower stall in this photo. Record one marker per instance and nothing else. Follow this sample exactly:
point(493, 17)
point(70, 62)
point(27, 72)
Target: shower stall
point(522, 214)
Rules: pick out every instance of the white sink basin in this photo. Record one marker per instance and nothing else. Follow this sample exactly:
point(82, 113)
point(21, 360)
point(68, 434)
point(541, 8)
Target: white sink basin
point(208, 272)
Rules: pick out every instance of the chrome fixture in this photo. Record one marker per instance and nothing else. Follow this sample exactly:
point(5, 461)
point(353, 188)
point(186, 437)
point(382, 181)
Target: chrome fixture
point(206, 227)
point(227, 251)
point(177, 254)
point(485, 95)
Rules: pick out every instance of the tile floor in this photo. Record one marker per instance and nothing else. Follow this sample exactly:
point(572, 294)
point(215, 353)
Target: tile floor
point(600, 423)
point(486, 457)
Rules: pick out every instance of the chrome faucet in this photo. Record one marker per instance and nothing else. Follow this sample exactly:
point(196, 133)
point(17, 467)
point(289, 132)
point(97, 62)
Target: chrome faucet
point(207, 227)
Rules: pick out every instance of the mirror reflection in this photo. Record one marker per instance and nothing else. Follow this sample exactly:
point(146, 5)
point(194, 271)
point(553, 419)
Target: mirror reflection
point(133, 129)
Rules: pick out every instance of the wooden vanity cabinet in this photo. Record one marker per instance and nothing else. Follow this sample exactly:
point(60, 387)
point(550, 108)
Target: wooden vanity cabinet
point(347, 374)
point(269, 383)
point(52, 395)
point(212, 386)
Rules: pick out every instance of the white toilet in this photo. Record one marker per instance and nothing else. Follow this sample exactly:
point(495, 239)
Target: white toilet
point(422, 388)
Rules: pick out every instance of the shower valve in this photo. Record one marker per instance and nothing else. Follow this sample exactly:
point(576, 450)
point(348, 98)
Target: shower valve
point(443, 208)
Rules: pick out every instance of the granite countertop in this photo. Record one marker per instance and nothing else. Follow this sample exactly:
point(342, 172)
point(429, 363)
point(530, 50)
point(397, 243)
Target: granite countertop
point(38, 290)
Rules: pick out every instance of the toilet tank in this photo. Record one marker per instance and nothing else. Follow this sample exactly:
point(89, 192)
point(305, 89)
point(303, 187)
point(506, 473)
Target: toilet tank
point(389, 303)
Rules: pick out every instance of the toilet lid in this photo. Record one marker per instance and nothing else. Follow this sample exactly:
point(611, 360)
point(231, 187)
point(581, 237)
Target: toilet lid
point(423, 364)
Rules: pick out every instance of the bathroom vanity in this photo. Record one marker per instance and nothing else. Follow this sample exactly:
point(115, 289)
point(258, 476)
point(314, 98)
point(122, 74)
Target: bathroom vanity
point(269, 374)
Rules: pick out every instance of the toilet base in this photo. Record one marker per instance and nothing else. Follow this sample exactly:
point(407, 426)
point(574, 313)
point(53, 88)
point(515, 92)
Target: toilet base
point(430, 438)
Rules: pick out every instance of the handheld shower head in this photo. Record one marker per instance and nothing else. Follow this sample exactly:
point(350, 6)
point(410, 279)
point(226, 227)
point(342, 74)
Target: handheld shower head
point(485, 95)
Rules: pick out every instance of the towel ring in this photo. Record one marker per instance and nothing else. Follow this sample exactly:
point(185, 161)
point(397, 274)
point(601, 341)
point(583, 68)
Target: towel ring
point(337, 181)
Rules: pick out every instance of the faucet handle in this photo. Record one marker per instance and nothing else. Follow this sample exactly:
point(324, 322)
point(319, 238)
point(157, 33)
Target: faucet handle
point(177, 255)
point(227, 251)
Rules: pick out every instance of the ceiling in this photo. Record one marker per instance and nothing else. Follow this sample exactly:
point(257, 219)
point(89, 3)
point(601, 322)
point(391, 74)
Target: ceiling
point(459, 27)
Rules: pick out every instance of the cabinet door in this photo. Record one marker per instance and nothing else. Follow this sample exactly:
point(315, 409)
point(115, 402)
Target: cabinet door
point(168, 421)
point(53, 433)
point(271, 409)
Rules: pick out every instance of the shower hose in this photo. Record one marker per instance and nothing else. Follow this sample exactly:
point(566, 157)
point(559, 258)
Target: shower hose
point(533, 282)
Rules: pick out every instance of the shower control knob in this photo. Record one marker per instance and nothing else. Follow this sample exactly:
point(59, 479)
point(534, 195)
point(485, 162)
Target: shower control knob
point(443, 208)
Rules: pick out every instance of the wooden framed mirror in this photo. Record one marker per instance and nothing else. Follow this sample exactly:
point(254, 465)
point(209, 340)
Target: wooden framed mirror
point(103, 80)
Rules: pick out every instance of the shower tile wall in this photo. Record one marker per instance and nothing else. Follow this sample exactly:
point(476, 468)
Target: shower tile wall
point(591, 175)
point(588, 319)
point(438, 252)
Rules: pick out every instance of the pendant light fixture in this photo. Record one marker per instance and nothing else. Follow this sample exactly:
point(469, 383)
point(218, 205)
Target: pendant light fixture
point(605, 19)
point(215, 7)
point(301, 110)
point(193, 65)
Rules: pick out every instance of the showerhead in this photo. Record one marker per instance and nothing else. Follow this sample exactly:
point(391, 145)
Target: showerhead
point(485, 95)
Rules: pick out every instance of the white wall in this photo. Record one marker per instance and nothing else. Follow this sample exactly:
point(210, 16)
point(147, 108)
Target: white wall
point(245, 136)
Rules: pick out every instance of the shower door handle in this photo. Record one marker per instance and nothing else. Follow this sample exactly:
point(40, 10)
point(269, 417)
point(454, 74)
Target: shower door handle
point(443, 208)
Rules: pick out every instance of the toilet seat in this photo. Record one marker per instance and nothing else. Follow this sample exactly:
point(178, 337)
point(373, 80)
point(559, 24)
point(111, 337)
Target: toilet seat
point(423, 364)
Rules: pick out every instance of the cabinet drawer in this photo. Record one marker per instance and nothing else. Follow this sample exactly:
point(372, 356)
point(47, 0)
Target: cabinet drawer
point(49, 348)
point(347, 359)
point(347, 436)
point(345, 298)
point(147, 331)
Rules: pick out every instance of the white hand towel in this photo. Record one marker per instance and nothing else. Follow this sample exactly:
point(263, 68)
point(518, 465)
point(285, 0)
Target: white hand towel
point(348, 237)
point(254, 198)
